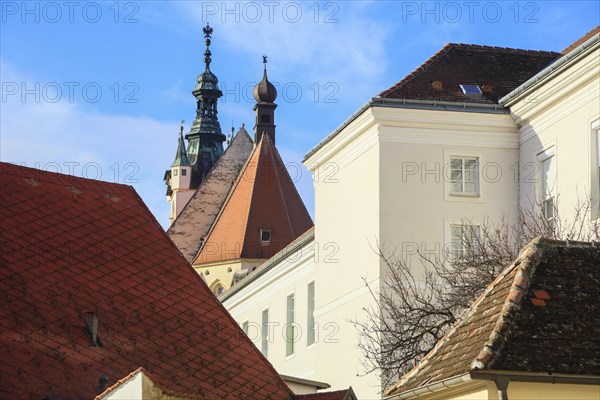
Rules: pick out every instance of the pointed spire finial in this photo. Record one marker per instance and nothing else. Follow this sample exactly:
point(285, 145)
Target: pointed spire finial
point(181, 127)
point(207, 35)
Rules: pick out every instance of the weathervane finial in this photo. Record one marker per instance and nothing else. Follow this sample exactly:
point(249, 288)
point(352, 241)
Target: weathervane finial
point(207, 31)
point(207, 35)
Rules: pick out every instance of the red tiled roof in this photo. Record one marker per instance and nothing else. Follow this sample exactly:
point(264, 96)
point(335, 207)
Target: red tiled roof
point(542, 301)
point(264, 197)
point(73, 246)
point(497, 70)
point(582, 39)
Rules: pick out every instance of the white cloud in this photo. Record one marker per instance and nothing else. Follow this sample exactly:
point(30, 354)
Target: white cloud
point(66, 137)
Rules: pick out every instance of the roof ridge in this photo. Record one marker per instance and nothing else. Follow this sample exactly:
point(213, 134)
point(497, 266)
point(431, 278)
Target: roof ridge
point(15, 169)
point(431, 61)
point(503, 48)
point(524, 256)
point(273, 159)
point(225, 203)
point(527, 262)
point(258, 148)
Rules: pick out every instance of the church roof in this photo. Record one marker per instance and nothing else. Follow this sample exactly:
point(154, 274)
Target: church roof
point(194, 221)
point(542, 301)
point(495, 70)
point(264, 198)
point(75, 250)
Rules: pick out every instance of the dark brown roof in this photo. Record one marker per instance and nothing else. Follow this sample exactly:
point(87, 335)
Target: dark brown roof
point(581, 40)
point(72, 246)
point(496, 70)
point(539, 315)
point(198, 215)
point(264, 197)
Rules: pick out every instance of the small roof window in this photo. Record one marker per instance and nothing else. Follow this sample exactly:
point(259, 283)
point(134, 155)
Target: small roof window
point(471, 91)
point(265, 235)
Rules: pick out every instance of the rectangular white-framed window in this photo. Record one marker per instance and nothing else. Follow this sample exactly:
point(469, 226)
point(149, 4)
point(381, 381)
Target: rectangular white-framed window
point(245, 327)
point(264, 336)
point(464, 176)
point(310, 314)
point(464, 240)
point(547, 183)
point(289, 326)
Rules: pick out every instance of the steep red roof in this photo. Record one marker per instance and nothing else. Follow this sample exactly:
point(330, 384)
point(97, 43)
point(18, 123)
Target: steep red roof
point(496, 70)
point(264, 197)
point(72, 246)
point(535, 317)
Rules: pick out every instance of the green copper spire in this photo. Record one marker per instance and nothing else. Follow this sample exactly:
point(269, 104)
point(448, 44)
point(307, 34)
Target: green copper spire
point(205, 137)
point(181, 159)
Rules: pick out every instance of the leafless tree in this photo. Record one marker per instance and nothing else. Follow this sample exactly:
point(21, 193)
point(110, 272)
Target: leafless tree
point(412, 311)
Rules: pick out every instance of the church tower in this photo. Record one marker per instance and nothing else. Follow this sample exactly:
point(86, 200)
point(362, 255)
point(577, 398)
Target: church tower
point(179, 176)
point(264, 94)
point(205, 139)
point(263, 212)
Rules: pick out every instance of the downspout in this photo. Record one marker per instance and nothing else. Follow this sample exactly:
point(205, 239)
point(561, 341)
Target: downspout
point(502, 386)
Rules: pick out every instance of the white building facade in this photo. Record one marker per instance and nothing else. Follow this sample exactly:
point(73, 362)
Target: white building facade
point(405, 175)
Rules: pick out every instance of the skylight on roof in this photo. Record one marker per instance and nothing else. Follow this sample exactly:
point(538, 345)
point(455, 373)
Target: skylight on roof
point(472, 91)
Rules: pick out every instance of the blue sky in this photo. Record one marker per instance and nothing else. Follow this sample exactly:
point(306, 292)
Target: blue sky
point(97, 89)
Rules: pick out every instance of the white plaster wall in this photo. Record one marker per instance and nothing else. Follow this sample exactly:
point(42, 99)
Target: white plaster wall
point(560, 112)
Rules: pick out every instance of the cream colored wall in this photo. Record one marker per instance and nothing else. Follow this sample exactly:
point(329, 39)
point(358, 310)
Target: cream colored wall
point(270, 290)
point(415, 201)
point(222, 272)
point(362, 200)
point(548, 391)
point(347, 210)
point(560, 112)
point(472, 390)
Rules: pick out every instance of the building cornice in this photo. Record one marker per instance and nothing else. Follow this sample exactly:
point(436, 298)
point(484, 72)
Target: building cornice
point(309, 157)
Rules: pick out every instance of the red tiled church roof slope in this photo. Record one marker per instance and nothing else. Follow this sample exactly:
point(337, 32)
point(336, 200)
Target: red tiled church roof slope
point(264, 197)
point(542, 301)
point(74, 246)
point(581, 40)
point(198, 215)
point(496, 70)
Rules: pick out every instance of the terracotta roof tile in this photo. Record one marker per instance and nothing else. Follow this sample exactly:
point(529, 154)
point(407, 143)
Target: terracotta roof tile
point(62, 259)
point(504, 330)
point(264, 197)
point(496, 70)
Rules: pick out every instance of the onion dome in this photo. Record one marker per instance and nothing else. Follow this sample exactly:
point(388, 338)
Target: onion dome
point(264, 91)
